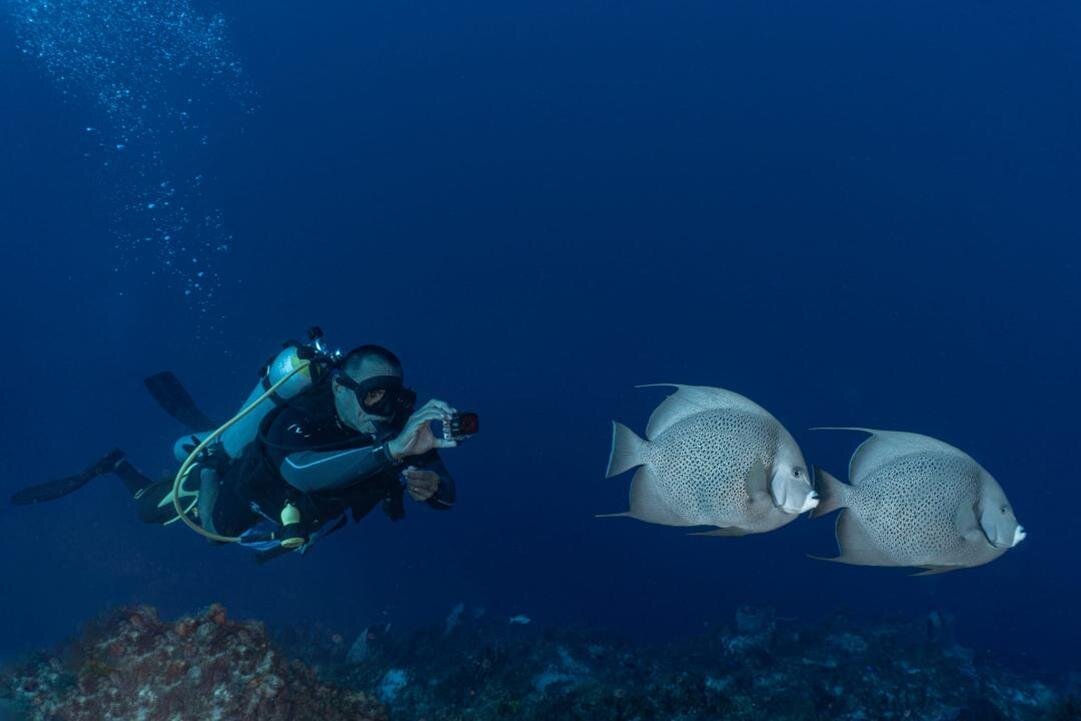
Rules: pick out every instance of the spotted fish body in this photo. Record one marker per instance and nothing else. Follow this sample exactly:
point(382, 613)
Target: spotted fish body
point(702, 462)
point(917, 502)
point(713, 458)
point(910, 506)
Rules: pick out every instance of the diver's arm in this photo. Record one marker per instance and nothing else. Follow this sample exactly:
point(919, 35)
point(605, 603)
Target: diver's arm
point(312, 471)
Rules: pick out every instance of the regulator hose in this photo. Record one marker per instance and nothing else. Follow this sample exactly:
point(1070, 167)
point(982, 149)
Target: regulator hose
point(185, 467)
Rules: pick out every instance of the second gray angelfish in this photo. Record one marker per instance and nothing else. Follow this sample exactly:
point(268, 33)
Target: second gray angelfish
point(917, 502)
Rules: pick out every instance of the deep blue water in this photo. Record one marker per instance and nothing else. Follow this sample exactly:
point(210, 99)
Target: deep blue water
point(857, 213)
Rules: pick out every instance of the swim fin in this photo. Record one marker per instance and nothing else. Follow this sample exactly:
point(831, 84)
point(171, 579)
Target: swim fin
point(177, 402)
point(51, 490)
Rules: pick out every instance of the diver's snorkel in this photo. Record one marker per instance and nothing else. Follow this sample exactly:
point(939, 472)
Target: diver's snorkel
point(305, 363)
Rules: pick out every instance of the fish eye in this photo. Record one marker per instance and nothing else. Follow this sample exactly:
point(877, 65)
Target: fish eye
point(797, 472)
point(1005, 509)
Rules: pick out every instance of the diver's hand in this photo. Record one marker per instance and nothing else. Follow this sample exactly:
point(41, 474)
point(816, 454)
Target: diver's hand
point(417, 438)
point(420, 483)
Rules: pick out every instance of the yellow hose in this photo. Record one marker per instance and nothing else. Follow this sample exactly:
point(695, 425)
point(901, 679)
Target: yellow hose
point(185, 467)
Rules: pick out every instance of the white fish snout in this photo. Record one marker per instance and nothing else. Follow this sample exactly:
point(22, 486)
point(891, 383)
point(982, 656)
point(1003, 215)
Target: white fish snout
point(1018, 535)
point(810, 501)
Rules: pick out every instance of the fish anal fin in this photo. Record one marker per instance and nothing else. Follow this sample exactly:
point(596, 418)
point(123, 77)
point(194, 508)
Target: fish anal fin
point(855, 543)
point(648, 502)
point(936, 570)
point(729, 532)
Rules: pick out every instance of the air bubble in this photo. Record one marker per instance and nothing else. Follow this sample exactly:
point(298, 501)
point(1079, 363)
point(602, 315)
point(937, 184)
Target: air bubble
point(144, 71)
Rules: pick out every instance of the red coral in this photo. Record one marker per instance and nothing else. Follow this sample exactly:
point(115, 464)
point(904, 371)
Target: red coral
point(216, 613)
point(133, 665)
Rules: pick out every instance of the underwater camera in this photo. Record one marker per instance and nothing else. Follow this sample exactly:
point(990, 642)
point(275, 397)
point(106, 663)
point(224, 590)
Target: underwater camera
point(461, 426)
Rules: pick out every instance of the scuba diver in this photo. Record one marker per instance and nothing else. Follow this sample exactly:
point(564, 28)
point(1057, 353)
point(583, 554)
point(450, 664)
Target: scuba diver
point(324, 435)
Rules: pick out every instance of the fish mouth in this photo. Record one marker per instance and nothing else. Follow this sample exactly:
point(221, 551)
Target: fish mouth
point(810, 502)
point(1018, 535)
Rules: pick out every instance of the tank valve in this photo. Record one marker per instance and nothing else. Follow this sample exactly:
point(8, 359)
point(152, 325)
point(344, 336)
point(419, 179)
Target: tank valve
point(292, 535)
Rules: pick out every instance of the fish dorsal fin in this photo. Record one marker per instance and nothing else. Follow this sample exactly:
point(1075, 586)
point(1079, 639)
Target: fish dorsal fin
point(691, 400)
point(884, 446)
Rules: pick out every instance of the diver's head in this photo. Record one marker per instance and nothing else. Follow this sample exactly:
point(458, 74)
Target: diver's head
point(369, 390)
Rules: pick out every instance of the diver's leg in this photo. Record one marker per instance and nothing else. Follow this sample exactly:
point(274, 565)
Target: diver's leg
point(209, 485)
point(224, 508)
point(105, 464)
point(150, 503)
point(147, 493)
point(134, 480)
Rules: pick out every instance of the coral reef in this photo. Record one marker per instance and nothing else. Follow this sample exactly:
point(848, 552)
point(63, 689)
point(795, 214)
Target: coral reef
point(759, 667)
point(132, 665)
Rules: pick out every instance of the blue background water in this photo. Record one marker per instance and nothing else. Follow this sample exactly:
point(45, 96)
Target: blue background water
point(854, 214)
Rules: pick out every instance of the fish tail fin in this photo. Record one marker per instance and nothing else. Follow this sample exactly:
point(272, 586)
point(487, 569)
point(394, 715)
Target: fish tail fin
point(627, 450)
point(832, 494)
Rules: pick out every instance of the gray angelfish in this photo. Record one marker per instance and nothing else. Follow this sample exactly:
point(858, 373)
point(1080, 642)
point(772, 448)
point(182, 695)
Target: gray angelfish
point(713, 458)
point(917, 502)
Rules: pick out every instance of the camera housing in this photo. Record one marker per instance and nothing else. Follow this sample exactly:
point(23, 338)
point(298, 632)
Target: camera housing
point(461, 426)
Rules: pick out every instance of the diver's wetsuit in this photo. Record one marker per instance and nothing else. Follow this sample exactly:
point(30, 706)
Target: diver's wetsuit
point(306, 456)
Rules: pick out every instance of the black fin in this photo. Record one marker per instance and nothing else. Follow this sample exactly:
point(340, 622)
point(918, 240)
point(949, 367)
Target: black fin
point(177, 402)
point(51, 490)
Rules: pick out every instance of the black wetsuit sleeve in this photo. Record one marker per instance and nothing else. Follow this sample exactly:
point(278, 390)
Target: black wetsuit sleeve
point(314, 471)
point(444, 498)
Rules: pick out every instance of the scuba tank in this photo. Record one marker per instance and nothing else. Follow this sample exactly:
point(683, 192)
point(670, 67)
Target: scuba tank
point(292, 371)
point(292, 356)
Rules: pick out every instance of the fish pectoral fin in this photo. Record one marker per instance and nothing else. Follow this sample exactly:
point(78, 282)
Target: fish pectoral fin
point(935, 570)
point(728, 532)
point(625, 514)
point(757, 482)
